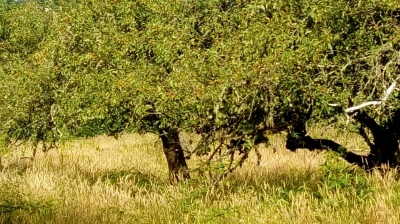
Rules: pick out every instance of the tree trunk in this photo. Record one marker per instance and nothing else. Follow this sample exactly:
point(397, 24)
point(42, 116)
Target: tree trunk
point(385, 147)
point(175, 156)
point(1, 165)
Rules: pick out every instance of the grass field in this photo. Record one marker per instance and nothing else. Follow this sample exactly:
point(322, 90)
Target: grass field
point(104, 180)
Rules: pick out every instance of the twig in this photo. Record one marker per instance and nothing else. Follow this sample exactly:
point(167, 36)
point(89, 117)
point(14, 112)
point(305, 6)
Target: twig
point(215, 152)
point(346, 65)
point(231, 169)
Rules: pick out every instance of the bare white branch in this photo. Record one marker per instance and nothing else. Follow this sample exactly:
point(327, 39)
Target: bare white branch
point(389, 91)
point(385, 97)
point(356, 108)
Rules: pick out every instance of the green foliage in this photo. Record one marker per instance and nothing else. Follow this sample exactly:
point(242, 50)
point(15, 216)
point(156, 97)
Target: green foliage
point(14, 207)
point(337, 176)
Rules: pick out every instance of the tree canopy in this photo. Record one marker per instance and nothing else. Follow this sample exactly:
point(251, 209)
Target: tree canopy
point(229, 69)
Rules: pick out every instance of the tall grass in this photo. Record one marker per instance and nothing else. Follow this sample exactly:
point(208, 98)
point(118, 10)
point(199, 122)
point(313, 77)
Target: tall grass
point(104, 180)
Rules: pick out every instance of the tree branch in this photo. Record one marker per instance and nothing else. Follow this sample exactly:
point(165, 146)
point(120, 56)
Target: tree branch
point(357, 108)
point(383, 100)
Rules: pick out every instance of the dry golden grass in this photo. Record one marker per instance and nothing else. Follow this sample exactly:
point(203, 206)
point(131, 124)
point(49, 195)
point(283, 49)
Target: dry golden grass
point(104, 180)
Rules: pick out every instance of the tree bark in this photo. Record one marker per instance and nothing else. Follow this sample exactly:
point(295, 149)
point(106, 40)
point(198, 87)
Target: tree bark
point(385, 147)
point(1, 165)
point(175, 156)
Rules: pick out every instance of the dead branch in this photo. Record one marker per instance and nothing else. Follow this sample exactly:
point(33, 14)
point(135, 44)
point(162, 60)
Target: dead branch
point(358, 107)
point(382, 101)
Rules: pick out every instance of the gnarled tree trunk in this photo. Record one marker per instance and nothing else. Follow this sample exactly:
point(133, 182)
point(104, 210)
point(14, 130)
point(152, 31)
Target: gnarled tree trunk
point(384, 147)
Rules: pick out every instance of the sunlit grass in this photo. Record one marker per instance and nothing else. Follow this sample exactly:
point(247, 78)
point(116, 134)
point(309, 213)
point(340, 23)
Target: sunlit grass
point(107, 180)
